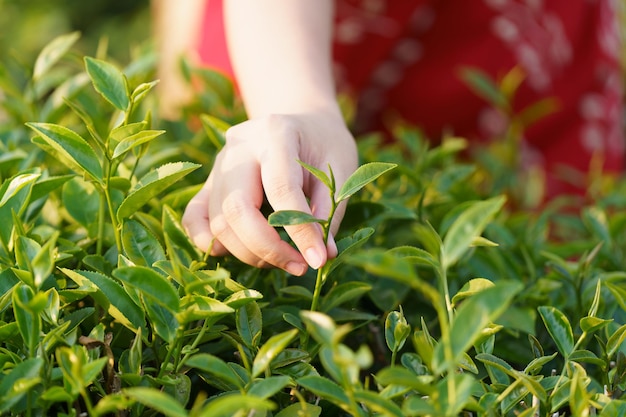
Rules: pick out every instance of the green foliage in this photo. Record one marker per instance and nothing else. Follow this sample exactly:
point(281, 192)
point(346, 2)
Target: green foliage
point(449, 296)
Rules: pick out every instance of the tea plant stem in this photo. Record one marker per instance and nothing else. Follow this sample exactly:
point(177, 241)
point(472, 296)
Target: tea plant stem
point(194, 344)
point(319, 280)
point(445, 320)
point(114, 223)
point(101, 214)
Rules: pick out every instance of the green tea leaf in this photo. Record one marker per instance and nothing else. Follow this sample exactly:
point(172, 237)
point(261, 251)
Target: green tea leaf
point(215, 366)
point(151, 185)
point(342, 293)
point(229, 405)
point(141, 91)
point(378, 404)
point(71, 146)
point(473, 316)
point(292, 217)
point(135, 140)
point(364, 175)
point(319, 174)
point(197, 307)
point(326, 389)
point(109, 82)
point(301, 410)
point(156, 400)
point(270, 350)
point(395, 375)
point(140, 245)
point(481, 84)
point(151, 284)
point(27, 318)
point(472, 287)
point(121, 307)
point(267, 387)
point(52, 52)
point(19, 382)
point(240, 298)
point(615, 341)
point(215, 129)
point(559, 328)
point(467, 227)
point(163, 320)
point(397, 330)
point(250, 324)
point(320, 326)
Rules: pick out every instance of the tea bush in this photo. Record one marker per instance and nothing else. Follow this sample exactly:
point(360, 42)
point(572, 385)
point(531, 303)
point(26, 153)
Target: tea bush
point(450, 294)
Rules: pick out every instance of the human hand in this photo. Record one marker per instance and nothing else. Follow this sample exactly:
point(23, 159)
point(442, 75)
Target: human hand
point(260, 156)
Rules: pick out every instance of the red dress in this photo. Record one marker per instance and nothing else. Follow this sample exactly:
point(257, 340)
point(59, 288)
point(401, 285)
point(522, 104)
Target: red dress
point(403, 58)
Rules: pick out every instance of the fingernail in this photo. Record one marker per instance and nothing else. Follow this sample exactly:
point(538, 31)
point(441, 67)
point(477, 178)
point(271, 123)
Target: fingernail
point(313, 258)
point(296, 268)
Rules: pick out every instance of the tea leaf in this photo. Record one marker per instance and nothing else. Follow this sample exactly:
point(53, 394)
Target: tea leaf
point(472, 287)
point(163, 320)
point(250, 324)
point(135, 140)
point(242, 297)
point(215, 366)
point(378, 404)
point(197, 307)
point(615, 341)
point(140, 92)
point(474, 315)
point(342, 293)
point(151, 284)
point(121, 307)
point(397, 330)
point(395, 375)
point(320, 326)
point(467, 227)
point(267, 387)
point(361, 177)
point(559, 328)
point(270, 350)
point(156, 400)
point(140, 245)
point(151, 185)
point(301, 410)
point(70, 146)
point(319, 174)
point(19, 382)
point(326, 389)
point(215, 129)
point(481, 84)
point(52, 52)
point(28, 320)
point(229, 405)
point(109, 82)
point(283, 218)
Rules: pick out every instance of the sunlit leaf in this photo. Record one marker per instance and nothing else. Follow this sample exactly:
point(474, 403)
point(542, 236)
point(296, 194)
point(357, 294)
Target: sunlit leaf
point(71, 147)
point(52, 52)
point(151, 284)
point(292, 217)
point(270, 350)
point(150, 185)
point(467, 227)
point(559, 328)
point(364, 175)
point(109, 82)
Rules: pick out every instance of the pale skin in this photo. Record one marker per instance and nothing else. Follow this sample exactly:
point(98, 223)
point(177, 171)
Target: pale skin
point(280, 51)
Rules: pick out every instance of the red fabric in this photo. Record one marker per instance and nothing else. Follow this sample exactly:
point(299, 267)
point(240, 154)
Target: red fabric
point(403, 58)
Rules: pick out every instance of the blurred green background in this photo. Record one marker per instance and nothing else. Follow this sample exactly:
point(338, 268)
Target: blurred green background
point(26, 26)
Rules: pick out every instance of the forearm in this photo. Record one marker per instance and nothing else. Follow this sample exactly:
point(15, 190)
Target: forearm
point(176, 28)
point(281, 54)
